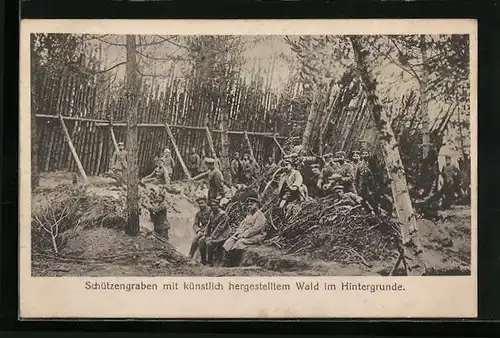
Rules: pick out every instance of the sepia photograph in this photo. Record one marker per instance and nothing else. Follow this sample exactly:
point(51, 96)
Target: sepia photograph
point(250, 155)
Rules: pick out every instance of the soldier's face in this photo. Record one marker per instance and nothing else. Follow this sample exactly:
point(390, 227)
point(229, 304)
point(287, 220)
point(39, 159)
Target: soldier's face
point(252, 207)
point(121, 147)
point(365, 155)
point(448, 161)
point(202, 205)
point(355, 157)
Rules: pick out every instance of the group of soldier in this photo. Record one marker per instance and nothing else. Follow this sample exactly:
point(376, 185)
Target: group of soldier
point(216, 238)
point(347, 182)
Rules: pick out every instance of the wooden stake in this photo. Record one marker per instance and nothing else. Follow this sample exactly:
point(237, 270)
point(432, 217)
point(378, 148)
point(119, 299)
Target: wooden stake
point(210, 142)
point(177, 152)
point(200, 176)
point(113, 138)
point(73, 151)
point(279, 146)
point(250, 147)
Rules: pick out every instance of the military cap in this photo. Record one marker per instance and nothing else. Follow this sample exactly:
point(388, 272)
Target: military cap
point(214, 201)
point(209, 160)
point(120, 143)
point(338, 187)
point(252, 200)
point(340, 153)
point(355, 152)
point(313, 166)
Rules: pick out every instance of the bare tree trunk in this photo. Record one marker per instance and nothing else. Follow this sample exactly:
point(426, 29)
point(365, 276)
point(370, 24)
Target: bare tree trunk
point(133, 211)
point(306, 137)
point(426, 134)
point(35, 174)
point(411, 243)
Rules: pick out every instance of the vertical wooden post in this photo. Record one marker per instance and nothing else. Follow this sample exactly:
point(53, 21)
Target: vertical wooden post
point(210, 142)
point(73, 151)
point(133, 210)
point(249, 146)
point(177, 152)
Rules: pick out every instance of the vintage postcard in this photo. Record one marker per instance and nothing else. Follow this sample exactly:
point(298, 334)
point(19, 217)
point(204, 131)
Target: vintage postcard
point(248, 168)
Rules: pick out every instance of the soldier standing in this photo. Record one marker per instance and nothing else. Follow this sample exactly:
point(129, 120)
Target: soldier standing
point(194, 162)
point(236, 167)
point(449, 173)
point(215, 180)
point(119, 163)
point(158, 212)
point(168, 164)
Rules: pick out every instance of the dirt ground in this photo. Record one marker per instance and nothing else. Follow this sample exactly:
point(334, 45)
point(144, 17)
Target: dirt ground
point(110, 252)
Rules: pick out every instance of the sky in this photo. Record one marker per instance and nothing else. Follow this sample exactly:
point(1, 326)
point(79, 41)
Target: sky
point(260, 53)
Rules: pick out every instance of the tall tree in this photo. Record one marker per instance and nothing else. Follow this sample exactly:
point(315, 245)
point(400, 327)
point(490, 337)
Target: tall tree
point(411, 243)
point(35, 61)
point(133, 210)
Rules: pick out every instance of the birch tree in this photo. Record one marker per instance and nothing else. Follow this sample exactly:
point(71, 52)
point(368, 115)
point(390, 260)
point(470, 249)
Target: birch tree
point(411, 243)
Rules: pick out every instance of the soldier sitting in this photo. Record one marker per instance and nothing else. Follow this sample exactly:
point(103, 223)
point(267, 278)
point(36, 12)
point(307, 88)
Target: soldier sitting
point(291, 187)
point(349, 198)
point(346, 170)
point(199, 225)
point(216, 233)
point(159, 174)
point(251, 231)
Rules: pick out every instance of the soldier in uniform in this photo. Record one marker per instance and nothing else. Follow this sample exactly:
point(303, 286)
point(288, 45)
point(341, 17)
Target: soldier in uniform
point(200, 223)
point(194, 162)
point(236, 167)
point(328, 170)
point(158, 212)
point(345, 170)
point(119, 163)
point(168, 164)
point(312, 187)
point(364, 179)
point(159, 175)
point(216, 233)
point(349, 198)
point(290, 185)
point(215, 180)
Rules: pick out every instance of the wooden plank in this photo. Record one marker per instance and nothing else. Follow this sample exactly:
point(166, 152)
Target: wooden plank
point(73, 151)
point(73, 118)
point(172, 139)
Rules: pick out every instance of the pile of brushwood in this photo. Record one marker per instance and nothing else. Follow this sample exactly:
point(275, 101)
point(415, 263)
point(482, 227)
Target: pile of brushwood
point(65, 210)
point(317, 228)
point(69, 223)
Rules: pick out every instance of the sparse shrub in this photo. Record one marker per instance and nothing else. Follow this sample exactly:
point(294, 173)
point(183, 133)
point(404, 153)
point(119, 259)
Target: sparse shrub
point(65, 210)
